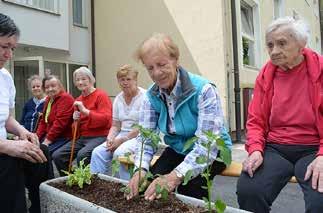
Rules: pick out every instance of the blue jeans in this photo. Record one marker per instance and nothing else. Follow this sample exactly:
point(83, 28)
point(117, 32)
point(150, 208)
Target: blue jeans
point(102, 158)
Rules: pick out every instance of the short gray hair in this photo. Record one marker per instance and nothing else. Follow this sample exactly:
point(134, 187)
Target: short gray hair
point(298, 28)
point(85, 71)
point(160, 42)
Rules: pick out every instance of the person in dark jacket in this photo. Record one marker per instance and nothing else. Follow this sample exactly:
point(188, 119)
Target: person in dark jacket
point(34, 106)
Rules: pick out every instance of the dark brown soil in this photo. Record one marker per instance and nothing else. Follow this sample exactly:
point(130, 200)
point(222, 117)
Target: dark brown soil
point(107, 194)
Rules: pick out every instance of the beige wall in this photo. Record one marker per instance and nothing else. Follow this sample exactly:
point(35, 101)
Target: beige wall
point(202, 31)
point(249, 74)
point(120, 27)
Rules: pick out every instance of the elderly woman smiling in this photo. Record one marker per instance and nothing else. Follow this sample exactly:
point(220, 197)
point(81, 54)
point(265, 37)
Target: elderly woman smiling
point(55, 125)
point(285, 123)
point(181, 105)
point(93, 110)
point(34, 106)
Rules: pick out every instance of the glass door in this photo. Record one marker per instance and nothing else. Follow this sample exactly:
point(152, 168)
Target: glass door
point(22, 70)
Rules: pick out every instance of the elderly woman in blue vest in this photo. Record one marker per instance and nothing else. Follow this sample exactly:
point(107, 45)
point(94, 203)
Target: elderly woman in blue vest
point(34, 106)
point(181, 105)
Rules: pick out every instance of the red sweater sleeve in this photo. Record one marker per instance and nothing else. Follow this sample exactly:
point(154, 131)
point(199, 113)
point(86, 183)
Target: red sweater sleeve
point(256, 126)
point(63, 116)
point(102, 116)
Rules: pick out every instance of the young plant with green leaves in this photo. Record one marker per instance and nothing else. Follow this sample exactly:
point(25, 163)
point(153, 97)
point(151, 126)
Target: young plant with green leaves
point(225, 157)
point(79, 176)
point(146, 135)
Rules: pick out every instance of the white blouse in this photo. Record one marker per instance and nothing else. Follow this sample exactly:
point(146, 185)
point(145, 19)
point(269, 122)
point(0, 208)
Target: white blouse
point(127, 114)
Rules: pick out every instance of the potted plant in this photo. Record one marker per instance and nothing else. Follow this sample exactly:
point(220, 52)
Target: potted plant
point(83, 192)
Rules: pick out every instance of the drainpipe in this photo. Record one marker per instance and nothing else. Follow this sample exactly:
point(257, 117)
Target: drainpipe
point(93, 38)
point(236, 72)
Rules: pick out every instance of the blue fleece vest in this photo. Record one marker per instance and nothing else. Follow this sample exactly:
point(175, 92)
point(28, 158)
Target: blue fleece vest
point(186, 112)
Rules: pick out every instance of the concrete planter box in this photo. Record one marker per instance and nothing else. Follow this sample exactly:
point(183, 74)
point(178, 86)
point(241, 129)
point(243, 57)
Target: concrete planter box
point(55, 200)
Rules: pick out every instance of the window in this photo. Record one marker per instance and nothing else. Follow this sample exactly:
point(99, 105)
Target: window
point(58, 69)
point(79, 12)
point(248, 34)
point(278, 8)
point(46, 5)
point(73, 90)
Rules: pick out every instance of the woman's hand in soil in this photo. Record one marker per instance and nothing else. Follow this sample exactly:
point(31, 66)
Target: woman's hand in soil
point(133, 184)
point(169, 182)
point(26, 150)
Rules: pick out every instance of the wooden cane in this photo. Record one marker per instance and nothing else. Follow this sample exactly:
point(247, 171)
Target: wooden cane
point(73, 145)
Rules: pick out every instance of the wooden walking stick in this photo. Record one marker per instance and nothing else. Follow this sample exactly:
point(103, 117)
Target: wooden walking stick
point(75, 123)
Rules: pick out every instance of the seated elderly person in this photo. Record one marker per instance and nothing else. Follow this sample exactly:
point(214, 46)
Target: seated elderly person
point(181, 105)
point(55, 126)
point(93, 112)
point(122, 137)
point(285, 123)
point(34, 106)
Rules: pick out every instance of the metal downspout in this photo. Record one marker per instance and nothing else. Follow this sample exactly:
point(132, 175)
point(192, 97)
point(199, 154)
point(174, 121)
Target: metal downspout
point(93, 39)
point(236, 72)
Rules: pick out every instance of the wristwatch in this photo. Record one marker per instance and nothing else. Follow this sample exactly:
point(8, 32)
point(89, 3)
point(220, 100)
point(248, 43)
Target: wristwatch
point(178, 174)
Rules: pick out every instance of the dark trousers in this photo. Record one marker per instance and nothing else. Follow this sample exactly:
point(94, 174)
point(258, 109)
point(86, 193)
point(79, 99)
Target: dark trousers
point(83, 149)
point(280, 163)
point(170, 159)
point(15, 175)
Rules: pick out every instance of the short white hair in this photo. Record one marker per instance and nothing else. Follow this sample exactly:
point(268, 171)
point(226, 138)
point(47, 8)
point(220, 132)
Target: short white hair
point(85, 71)
point(298, 28)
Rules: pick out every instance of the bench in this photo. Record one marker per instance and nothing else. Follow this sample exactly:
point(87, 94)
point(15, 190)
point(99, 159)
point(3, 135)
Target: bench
point(233, 170)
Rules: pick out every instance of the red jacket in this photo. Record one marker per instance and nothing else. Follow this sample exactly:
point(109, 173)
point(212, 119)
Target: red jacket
point(260, 106)
point(99, 121)
point(60, 118)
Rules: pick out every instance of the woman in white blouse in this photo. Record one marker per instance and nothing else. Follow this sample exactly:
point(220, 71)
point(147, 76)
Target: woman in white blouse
point(122, 137)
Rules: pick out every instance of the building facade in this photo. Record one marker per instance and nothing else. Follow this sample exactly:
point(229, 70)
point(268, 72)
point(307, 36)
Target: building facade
point(55, 39)
point(203, 31)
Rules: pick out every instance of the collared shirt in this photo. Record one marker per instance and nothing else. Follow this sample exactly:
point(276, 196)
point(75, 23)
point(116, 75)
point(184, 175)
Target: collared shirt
point(171, 103)
point(210, 117)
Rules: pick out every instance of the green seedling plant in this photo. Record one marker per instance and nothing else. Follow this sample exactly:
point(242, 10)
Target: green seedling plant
point(225, 157)
point(161, 190)
point(146, 136)
point(79, 176)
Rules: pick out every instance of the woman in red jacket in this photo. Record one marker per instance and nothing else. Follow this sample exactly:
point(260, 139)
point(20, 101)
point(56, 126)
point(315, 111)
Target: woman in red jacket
point(285, 123)
point(54, 128)
point(93, 111)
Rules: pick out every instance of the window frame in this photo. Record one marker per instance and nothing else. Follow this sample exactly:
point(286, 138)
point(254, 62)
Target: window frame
point(55, 10)
point(255, 38)
point(84, 13)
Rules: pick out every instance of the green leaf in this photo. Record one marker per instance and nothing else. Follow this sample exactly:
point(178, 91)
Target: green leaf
point(201, 160)
point(125, 190)
point(149, 175)
point(158, 189)
point(187, 177)
point(115, 164)
point(164, 194)
point(204, 187)
point(220, 206)
point(189, 143)
point(205, 199)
